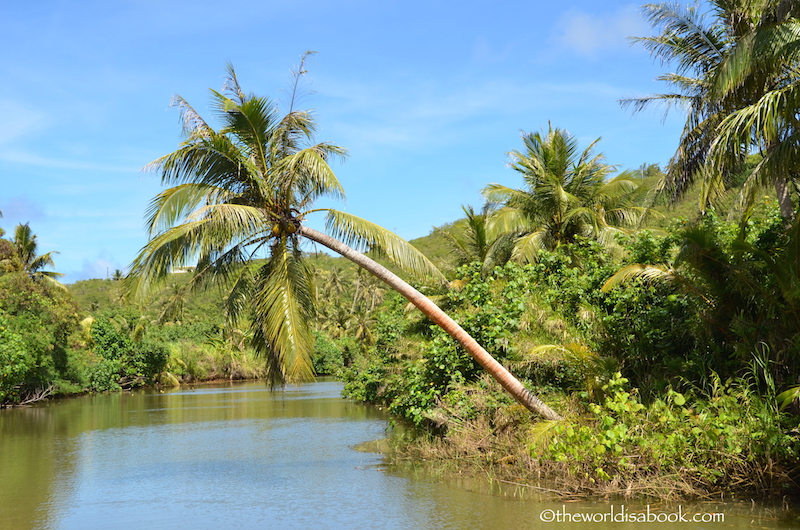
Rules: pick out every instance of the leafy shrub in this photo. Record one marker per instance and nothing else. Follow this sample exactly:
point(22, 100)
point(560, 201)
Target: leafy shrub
point(15, 364)
point(328, 358)
point(121, 360)
point(728, 436)
point(37, 325)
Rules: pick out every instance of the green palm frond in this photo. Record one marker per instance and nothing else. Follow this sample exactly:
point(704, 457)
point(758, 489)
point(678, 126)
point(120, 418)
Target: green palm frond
point(173, 204)
point(637, 270)
point(282, 310)
point(685, 37)
point(222, 269)
point(473, 238)
point(360, 233)
point(668, 101)
point(308, 172)
point(49, 278)
point(237, 301)
point(620, 186)
point(608, 237)
point(630, 216)
point(214, 160)
point(193, 123)
point(210, 229)
point(45, 260)
point(527, 247)
point(509, 220)
point(788, 397)
point(457, 246)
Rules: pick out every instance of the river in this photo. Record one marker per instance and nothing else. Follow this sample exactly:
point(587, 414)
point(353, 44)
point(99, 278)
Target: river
point(239, 456)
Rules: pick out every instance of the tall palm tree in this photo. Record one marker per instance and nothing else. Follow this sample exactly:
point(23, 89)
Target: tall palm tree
point(568, 194)
point(765, 65)
point(698, 49)
point(244, 192)
point(735, 76)
point(25, 258)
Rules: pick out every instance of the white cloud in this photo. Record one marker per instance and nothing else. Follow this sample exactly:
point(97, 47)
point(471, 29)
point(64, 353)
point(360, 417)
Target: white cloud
point(421, 115)
point(589, 33)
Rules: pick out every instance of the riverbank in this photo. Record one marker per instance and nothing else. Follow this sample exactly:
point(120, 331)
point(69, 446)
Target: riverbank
point(731, 445)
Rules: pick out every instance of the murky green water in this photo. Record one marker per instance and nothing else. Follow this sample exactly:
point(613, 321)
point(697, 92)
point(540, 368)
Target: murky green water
point(238, 456)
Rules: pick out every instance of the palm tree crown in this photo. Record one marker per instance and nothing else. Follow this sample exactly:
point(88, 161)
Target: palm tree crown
point(25, 258)
point(473, 239)
point(737, 78)
point(762, 73)
point(568, 194)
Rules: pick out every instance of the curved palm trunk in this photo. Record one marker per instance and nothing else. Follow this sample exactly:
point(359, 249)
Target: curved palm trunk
point(440, 318)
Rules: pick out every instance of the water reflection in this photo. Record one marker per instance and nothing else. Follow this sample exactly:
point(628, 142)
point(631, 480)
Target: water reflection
point(230, 456)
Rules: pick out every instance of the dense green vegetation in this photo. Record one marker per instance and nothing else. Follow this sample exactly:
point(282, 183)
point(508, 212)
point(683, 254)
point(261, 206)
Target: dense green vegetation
point(705, 343)
point(657, 312)
point(675, 361)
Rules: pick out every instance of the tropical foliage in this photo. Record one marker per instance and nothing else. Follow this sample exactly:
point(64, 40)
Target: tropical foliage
point(737, 76)
point(568, 194)
point(674, 358)
point(476, 238)
point(237, 194)
point(36, 320)
point(241, 193)
point(23, 257)
point(763, 71)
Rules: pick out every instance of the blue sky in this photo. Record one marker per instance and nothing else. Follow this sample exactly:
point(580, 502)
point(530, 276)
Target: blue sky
point(427, 96)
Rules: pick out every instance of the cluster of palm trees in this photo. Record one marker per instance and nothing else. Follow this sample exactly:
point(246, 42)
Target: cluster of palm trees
point(346, 307)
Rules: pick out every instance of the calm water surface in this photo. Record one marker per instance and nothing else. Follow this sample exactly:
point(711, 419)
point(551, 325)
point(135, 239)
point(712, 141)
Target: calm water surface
point(239, 456)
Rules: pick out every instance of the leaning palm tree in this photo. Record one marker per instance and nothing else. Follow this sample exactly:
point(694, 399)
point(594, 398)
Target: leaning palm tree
point(243, 192)
point(568, 194)
point(25, 258)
